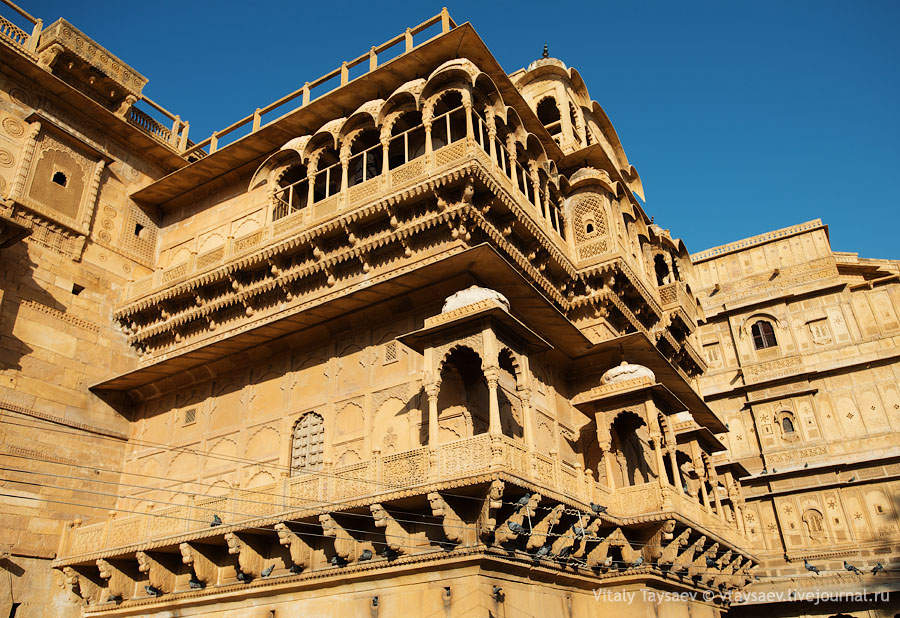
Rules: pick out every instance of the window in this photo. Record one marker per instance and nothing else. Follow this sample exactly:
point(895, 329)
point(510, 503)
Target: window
point(308, 443)
point(815, 527)
point(548, 114)
point(60, 179)
point(190, 415)
point(763, 335)
point(818, 330)
point(711, 351)
point(138, 228)
point(787, 425)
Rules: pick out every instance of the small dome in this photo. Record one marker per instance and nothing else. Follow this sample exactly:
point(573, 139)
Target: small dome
point(542, 62)
point(472, 295)
point(626, 371)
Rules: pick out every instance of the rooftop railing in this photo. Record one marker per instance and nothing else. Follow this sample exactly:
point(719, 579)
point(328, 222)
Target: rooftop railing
point(340, 76)
point(19, 37)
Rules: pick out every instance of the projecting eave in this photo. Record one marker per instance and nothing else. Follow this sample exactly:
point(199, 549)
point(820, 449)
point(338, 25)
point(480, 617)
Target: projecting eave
point(637, 348)
point(481, 264)
point(241, 157)
point(93, 114)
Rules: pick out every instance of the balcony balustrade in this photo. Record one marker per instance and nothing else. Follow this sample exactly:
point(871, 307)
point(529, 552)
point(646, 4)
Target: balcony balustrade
point(342, 188)
point(418, 471)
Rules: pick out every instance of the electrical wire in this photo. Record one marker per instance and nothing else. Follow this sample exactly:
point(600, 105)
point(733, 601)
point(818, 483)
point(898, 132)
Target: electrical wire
point(207, 455)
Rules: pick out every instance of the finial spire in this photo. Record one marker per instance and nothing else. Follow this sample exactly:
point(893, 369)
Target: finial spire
point(546, 53)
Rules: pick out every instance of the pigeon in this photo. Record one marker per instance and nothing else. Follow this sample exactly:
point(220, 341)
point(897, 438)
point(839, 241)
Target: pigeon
point(565, 551)
point(517, 528)
point(296, 568)
point(810, 567)
point(638, 562)
point(878, 567)
point(523, 500)
point(268, 570)
point(365, 555)
point(116, 598)
point(851, 568)
point(153, 591)
point(542, 551)
point(243, 577)
point(337, 561)
point(608, 561)
point(711, 563)
point(598, 508)
point(216, 521)
point(579, 532)
point(196, 584)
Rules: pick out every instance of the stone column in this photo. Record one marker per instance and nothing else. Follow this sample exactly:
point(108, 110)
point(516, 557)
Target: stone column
point(676, 471)
point(492, 374)
point(432, 390)
point(492, 138)
point(385, 164)
point(527, 420)
point(470, 132)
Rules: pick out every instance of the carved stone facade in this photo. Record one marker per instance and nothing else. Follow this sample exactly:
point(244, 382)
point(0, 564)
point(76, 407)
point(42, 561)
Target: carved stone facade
point(431, 353)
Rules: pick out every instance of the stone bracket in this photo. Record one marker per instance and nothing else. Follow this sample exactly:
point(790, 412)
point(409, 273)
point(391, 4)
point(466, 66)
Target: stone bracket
point(455, 529)
point(540, 534)
point(698, 566)
point(395, 536)
point(119, 584)
point(86, 587)
point(159, 574)
point(300, 550)
point(487, 521)
point(202, 566)
point(250, 555)
point(521, 516)
point(344, 543)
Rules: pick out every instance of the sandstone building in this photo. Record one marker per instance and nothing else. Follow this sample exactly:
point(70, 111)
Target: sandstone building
point(406, 338)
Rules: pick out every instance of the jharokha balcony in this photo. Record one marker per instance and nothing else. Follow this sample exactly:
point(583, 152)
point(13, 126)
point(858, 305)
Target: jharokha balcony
point(643, 498)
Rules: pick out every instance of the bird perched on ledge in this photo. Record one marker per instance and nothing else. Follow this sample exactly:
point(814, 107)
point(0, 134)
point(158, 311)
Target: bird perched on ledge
point(599, 509)
point(851, 568)
point(810, 567)
point(517, 528)
point(268, 570)
point(712, 563)
point(878, 567)
point(365, 555)
point(216, 521)
point(523, 500)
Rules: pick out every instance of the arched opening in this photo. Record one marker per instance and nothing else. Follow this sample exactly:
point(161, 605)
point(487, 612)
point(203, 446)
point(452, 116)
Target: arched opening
point(787, 425)
point(365, 157)
point(60, 179)
point(815, 525)
point(449, 120)
point(511, 423)
point(463, 399)
point(630, 449)
point(407, 139)
point(327, 180)
point(292, 193)
point(307, 443)
point(548, 114)
point(663, 275)
point(763, 335)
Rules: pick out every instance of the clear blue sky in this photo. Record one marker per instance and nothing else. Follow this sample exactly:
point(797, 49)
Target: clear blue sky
point(741, 117)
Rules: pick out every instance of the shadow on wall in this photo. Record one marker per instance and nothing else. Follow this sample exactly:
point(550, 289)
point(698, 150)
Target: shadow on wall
point(18, 286)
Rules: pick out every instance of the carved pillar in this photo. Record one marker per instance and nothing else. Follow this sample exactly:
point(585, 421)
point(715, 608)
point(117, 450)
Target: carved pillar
point(385, 150)
point(18, 188)
point(470, 132)
point(714, 484)
point(432, 390)
point(492, 138)
point(604, 440)
point(527, 420)
point(310, 183)
point(345, 168)
point(492, 374)
point(426, 122)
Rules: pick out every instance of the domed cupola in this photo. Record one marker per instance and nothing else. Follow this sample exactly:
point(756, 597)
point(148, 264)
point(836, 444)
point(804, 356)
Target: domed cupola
point(557, 94)
point(626, 371)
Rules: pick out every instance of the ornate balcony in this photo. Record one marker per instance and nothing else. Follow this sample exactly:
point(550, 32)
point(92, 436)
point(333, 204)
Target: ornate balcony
point(486, 495)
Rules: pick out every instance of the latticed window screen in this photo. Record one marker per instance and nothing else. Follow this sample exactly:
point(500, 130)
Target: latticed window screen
point(308, 443)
